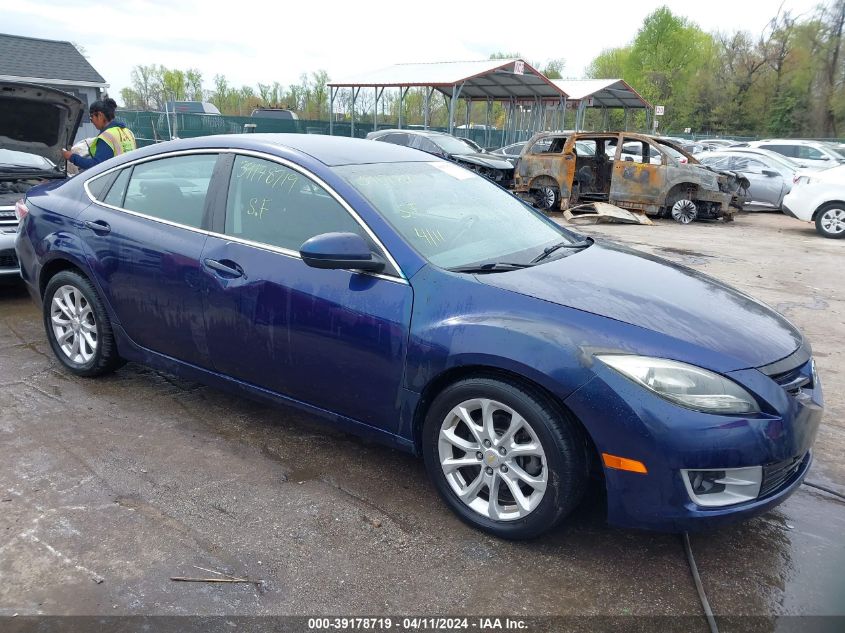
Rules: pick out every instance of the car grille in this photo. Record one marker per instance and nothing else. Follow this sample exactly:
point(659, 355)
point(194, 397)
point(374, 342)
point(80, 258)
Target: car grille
point(8, 259)
point(795, 380)
point(779, 474)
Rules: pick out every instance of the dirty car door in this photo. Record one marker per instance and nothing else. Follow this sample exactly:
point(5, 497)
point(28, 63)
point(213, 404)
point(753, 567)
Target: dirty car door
point(637, 182)
point(550, 157)
point(332, 338)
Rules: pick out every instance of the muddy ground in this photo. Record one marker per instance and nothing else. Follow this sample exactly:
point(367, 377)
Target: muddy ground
point(109, 487)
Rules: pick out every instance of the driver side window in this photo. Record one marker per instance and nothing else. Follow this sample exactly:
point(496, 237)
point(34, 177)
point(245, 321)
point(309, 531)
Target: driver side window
point(273, 204)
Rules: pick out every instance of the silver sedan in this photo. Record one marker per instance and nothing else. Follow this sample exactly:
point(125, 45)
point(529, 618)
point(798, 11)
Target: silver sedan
point(771, 175)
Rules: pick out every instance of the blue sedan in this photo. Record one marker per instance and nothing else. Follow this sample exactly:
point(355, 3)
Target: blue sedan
point(411, 301)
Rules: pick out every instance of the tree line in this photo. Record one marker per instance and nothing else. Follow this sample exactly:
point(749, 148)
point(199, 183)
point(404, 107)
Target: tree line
point(788, 80)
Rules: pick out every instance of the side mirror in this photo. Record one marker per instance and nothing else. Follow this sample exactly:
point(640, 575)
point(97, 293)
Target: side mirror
point(340, 251)
point(770, 174)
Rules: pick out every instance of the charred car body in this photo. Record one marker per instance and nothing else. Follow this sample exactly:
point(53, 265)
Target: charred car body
point(492, 166)
point(35, 123)
point(632, 171)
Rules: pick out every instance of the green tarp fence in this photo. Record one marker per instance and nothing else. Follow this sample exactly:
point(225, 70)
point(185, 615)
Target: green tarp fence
point(152, 127)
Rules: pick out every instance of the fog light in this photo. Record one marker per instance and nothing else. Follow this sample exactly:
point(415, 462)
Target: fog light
point(713, 488)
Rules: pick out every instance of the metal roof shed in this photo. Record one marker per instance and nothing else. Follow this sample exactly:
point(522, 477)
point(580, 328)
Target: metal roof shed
point(512, 81)
point(601, 93)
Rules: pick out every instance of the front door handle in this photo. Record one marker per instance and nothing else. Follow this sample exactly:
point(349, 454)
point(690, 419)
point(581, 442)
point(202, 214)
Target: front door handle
point(226, 267)
point(98, 226)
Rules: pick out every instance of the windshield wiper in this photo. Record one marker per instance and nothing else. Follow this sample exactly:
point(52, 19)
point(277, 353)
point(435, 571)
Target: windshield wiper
point(492, 267)
point(554, 247)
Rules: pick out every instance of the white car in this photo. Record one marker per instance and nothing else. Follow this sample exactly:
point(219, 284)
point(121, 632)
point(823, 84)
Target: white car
point(809, 154)
point(819, 197)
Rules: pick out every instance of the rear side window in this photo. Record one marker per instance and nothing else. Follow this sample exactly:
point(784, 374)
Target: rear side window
point(786, 150)
point(171, 189)
point(396, 139)
point(273, 204)
point(117, 192)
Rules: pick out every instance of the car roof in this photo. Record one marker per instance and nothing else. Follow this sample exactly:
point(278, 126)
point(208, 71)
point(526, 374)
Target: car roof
point(415, 132)
point(789, 141)
point(329, 150)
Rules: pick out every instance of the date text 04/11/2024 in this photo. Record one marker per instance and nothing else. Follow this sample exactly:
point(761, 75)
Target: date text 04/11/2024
point(416, 624)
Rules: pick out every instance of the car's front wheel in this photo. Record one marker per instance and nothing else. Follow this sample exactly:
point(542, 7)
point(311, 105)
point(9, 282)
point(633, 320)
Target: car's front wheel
point(830, 221)
point(78, 326)
point(503, 457)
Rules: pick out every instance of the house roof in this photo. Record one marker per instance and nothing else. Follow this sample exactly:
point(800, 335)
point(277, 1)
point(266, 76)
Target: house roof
point(45, 61)
point(610, 93)
point(497, 79)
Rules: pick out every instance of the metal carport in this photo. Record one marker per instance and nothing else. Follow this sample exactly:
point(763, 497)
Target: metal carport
point(512, 82)
point(601, 93)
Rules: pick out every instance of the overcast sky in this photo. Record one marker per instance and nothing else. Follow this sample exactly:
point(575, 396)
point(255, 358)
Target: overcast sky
point(256, 41)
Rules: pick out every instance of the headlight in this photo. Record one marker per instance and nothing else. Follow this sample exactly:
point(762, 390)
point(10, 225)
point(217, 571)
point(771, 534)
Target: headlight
point(689, 386)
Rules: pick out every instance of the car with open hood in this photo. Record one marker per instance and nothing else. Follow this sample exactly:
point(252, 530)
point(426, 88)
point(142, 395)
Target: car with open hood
point(36, 122)
point(632, 171)
point(458, 150)
point(406, 299)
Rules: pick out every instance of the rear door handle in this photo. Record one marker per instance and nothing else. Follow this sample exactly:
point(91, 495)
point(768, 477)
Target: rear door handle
point(229, 268)
point(98, 226)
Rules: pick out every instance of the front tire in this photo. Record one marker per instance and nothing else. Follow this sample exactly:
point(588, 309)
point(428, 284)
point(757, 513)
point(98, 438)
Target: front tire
point(684, 211)
point(830, 220)
point(78, 326)
point(505, 458)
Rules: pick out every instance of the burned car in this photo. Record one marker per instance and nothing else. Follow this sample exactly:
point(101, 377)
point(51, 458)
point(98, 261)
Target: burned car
point(458, 150)
point(35, 123)
point(632, 171)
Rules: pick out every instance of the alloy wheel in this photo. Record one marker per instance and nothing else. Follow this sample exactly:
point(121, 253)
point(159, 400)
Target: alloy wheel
point(74, 325)
point(832, 221)
point(492, 459)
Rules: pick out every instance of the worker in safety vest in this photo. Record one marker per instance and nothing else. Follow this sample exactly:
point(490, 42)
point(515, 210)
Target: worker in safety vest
point(114, 138)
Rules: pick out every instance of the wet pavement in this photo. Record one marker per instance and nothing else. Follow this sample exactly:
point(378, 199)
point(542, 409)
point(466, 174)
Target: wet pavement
point(111, 486)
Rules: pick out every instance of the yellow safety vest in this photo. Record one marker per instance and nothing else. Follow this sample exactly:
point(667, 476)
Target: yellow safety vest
point(120, 139)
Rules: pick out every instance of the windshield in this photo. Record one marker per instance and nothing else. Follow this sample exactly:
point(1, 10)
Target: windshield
point(11, 158)
point(452, 145)
point(452, 216)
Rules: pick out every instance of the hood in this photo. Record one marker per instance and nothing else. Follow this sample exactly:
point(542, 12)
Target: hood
point(37, 119)
point(646, 291)
point(484, 160)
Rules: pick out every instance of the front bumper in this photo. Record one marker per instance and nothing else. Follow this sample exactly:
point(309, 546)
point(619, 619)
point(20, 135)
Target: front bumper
point(9, 265)
point(637, 424)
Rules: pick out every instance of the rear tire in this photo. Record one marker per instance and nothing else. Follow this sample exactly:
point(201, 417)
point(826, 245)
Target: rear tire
point(830, 220)
point(78, 326)
point(547, 198)
point(532, 457)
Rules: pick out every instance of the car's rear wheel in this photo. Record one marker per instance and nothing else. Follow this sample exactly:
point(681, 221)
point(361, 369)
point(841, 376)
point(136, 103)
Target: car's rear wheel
point(78, 326)
point(830, 221)
point(503, 457)
point(547, 197)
